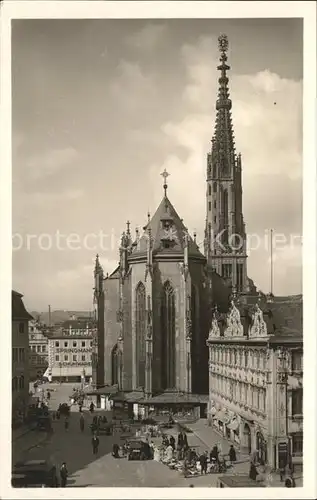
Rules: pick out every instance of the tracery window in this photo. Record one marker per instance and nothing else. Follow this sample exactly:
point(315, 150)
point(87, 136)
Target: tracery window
point(140, 317)
point(168, 336)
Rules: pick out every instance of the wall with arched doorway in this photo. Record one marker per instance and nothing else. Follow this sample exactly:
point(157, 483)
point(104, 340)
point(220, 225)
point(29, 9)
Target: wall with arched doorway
point(245, 438)
point(261, 447)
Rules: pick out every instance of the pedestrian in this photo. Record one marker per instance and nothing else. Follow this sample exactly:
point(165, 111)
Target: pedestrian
point(253, 472)
point(95, 444)
point(214, 454)
point(185, 442)
point(66, 424)
point(232, 454)
point(48, 395)
point(91, 407)
point(172, 442)
point(82, 423)
point(203, 463)
point(282, 473)
point(63, 474)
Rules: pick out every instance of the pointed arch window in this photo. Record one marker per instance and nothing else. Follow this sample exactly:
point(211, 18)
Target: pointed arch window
point(168, 337)
point(115, 365)
point(140, 318)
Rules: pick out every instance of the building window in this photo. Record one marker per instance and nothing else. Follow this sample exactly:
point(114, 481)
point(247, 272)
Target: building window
point(65, 344)
point(209, 206)
point(21, 327)
point(83, 357)
point(21, 382)
point(74, 343)
point(75, 357)
point(21, 354)
point(246, 360)
point(239, 277)
point(297, 402)
point(38, 348)
point(226, 270)
point(209, 189)
point(57, 343)
point(215, 219)
point(215, 187)
point(57, 357)
point(215, 204)
point(297, 361)
point(168, 347)
point(43, 348)
point(235, 358)
point(140, 318)
point(65, 357)
point(83, 343)
point(297, 444)
point(15, 383)
point(91, 343)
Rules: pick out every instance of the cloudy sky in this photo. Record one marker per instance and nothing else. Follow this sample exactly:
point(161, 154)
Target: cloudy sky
point(101, 107)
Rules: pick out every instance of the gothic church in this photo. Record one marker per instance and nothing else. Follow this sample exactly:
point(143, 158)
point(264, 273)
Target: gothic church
point(154, 311)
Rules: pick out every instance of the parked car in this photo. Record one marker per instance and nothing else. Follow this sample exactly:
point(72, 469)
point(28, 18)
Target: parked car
point(34, 474)
point(139, 450)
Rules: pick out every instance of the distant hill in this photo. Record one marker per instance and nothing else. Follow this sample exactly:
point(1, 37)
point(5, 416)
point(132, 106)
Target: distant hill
point(59, 316)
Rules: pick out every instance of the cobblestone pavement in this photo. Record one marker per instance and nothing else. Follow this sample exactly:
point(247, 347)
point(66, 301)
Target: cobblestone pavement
point(102, 470)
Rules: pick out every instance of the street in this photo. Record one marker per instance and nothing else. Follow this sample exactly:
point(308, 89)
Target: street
point(102, 470)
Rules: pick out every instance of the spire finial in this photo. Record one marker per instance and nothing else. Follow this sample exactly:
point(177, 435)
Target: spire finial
point(165, 174)
point(148, 216)
point(128, 226)
point(223, 44)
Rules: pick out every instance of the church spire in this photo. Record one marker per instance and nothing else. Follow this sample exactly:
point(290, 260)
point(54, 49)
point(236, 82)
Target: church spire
point(223, 150)
point(225, 231)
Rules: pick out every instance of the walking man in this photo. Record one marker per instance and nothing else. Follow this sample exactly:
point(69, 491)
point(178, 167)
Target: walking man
point(66, 424)
point(82, 422)
point(63, 474)
point(95, 444)
point(232, 454)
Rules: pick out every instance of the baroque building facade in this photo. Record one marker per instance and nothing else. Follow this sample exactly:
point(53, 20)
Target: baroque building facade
point(256, 384)
point(70, 348)
point(20, 360)
point(38, 350)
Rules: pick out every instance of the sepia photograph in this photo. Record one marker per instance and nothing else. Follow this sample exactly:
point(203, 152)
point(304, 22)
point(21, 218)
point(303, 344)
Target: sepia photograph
point(157, 253)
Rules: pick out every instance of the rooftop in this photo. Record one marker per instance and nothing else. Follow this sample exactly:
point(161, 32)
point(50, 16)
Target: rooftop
point(18, 308)
point(168, 232)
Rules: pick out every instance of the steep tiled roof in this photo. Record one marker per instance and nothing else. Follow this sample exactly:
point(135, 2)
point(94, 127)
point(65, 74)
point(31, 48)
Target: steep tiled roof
point(166, 212)
point(18, 308)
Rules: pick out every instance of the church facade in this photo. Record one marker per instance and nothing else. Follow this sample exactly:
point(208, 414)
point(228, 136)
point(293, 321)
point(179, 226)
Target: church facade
point(154, 311)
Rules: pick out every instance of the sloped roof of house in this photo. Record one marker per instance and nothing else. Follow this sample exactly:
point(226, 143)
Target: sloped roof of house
point(18, 308)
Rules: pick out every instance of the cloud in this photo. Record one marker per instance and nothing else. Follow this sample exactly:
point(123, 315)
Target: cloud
point(132, 88)
point(51, 197)
point(148, 37)
point(51, 162)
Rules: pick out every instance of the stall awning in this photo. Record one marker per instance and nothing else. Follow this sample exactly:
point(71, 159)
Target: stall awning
point(233, 425)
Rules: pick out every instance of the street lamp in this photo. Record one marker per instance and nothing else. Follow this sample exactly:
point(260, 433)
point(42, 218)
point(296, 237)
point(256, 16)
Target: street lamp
point(282, 355)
